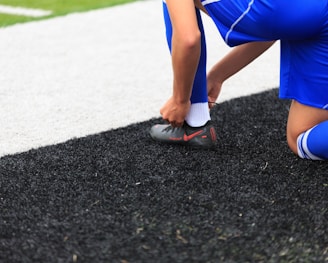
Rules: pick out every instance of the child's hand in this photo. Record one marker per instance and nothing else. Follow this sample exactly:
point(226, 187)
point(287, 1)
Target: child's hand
point(174, 112)
point(213, 91)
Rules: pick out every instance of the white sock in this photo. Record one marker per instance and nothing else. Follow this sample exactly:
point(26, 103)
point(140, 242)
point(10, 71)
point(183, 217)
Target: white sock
point(198, 115)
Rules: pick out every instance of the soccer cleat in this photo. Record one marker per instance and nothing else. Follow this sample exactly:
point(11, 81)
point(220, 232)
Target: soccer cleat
point(198, 137)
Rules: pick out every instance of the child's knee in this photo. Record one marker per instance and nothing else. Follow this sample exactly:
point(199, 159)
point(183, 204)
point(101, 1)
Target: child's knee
point(300, 138)
point(313, 143)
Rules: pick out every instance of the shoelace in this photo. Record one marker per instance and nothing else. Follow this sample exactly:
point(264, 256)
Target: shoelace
point(170, 128)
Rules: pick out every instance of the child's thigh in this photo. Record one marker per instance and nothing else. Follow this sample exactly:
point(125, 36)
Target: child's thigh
point(300, 119)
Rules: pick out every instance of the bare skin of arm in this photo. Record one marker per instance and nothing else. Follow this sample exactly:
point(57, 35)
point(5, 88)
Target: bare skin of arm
point(185, 57)
point(234, 61)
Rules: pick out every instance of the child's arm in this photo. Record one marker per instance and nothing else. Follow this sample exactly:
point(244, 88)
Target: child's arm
point(233, 62)
point(185, 54)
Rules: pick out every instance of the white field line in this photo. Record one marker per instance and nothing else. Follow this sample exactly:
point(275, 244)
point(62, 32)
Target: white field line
point(22, 11)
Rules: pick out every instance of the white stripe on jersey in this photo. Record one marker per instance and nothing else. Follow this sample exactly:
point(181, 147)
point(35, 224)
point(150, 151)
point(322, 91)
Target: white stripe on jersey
point(226, 39)
point(206, 2)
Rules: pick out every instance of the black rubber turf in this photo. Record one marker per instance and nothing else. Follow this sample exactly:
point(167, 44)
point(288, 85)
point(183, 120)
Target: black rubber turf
point(120, 197)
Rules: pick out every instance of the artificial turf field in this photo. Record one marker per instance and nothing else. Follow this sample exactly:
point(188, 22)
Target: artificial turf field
point(118, 196)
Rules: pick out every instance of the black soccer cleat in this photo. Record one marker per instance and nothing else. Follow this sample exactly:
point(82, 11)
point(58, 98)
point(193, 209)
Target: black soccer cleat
point(197, 137)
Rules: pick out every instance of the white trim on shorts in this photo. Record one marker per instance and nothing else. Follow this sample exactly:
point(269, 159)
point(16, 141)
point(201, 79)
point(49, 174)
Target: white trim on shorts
point(226, 38)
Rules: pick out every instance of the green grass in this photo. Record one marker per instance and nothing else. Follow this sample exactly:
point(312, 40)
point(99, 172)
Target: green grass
point(6, 20)
point(58, 7)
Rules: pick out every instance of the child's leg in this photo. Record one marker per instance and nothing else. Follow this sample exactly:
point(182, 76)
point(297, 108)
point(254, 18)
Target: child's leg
point(198, 114)
point(307, 131)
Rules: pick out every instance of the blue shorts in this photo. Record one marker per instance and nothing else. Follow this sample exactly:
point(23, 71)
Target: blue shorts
point(302, 27)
